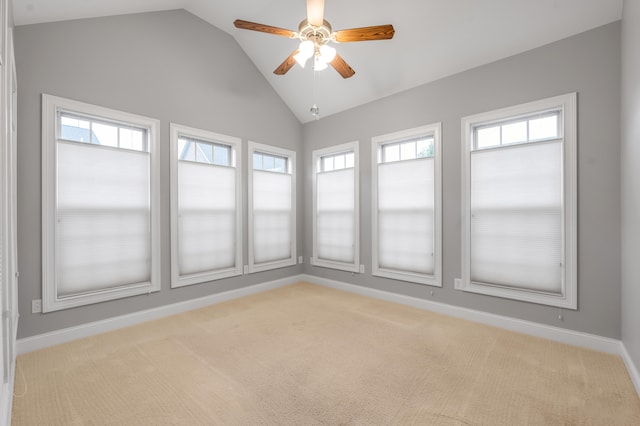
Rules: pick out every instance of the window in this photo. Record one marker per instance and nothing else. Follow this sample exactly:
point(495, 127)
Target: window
point(272, 207)
point(101, 234)
point(519, 204)
point(406, 206)
point(206, 221)
point(336, 212)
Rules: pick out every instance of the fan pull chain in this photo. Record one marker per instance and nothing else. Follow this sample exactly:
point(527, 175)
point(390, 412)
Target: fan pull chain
point(315, 110)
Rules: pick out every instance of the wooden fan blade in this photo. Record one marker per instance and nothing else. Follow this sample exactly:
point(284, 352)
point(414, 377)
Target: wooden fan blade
point(315, 12)
point(246, 25)
point(343, 68)
point(287, 64)
point(378, 32)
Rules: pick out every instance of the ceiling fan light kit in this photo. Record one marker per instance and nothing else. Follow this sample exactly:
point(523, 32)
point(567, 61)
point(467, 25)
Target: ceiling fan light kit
point(315, 34)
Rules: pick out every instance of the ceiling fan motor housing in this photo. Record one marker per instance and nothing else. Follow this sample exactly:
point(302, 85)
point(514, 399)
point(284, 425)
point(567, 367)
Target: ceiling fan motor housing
point(319, 35)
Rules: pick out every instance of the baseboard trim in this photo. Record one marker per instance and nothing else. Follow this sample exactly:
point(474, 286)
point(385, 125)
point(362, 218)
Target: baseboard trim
point(562, 335)
point(41, 341)
point(631, 367)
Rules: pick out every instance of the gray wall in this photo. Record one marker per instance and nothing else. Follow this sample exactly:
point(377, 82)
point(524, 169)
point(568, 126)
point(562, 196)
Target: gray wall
point(175, 67)
point(167, 65)
point(630, 154)
point(589, 64)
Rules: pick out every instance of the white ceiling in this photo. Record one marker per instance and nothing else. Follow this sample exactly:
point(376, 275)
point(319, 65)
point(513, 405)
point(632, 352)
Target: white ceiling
point(434, 38)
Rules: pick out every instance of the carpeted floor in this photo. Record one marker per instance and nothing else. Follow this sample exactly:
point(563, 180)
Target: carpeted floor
point(306, 355)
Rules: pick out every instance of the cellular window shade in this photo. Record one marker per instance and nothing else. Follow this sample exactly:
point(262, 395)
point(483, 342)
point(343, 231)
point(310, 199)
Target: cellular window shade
point(406, 200)
point(103, 235)
point(271, 216)
point(517, 216)
point(206, 217)
point(335, 216)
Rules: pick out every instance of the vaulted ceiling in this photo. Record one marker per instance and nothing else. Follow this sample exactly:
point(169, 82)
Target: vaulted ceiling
point(433, 39)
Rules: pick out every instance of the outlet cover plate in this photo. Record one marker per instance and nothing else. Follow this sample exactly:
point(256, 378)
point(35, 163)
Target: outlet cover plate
point(457, 283)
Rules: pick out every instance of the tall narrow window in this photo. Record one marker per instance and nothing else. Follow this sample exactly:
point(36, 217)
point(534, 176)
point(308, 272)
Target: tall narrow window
point(406, 206)
point(272, 207)
point(205, 204)
point(520, 202)
point(336, 231)
point(100, 204)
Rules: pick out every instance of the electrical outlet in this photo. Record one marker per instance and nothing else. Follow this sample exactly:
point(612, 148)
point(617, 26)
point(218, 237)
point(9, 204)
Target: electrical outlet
point(300, 260)
point(36, 306)
point(457, 283)
point(246, 269)
point(362, 269)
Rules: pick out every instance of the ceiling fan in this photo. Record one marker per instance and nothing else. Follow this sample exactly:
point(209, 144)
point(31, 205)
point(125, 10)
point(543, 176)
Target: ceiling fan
point(315, 34)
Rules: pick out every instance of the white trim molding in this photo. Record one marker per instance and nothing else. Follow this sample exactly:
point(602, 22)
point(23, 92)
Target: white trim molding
point(51, 106)
point(632, 368)
point(316, 158)
point(567, 106)
point(557, 334)
point(291, 171)
point(41, 341)
point(431, 130)
point(177, 131)
point(562, 335)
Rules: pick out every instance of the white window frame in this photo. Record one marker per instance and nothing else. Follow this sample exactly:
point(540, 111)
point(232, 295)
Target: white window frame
point(8, 216)
point(51, 105)
point(291, 164)
point(434, 130)
point(567, 105)
point(316, 156)
point(177, 131)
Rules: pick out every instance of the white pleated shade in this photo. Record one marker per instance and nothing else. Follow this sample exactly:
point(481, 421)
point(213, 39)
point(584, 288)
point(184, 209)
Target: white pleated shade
point(102, 218)
point(517, 216)
point(335, 217)
point(272, 216)
point(406, 197)
point(206, 217)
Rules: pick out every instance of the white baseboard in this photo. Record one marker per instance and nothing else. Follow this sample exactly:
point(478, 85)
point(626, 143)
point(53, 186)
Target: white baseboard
point(41, 341)
point(562, 335)
point(576, 338)
point(631, 367)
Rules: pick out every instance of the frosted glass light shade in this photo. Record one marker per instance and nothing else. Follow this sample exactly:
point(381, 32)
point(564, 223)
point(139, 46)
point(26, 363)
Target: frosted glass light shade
point(327, 54)
point(305, 51)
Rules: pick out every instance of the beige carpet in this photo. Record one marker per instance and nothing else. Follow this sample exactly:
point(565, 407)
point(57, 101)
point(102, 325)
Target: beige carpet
point(306, 355)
